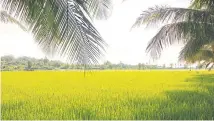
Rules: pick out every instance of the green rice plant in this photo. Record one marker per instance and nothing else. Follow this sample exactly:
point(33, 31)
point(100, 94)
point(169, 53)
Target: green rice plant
point(101, 95)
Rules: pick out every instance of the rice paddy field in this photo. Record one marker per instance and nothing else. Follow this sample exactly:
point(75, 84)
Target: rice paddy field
point(100, 95)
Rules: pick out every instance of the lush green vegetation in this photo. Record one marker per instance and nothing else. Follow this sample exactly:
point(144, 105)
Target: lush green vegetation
point(108, 95)
point(9, 63)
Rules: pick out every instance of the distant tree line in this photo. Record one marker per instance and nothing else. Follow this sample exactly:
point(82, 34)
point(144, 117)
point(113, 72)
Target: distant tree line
point(10, 63)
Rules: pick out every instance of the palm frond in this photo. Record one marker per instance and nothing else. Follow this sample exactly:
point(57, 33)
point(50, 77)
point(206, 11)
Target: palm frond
point(163, 14)
point(205, 55)
point(202, 4)
point(6, 18)
point(208, 64)
point(196, 34)
point(202, 55)
point(61, 26)
point(211, 67)
point(100, 9)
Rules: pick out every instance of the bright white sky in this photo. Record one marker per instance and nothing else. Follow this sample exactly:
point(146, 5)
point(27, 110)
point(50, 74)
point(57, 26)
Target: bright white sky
point(123, 45)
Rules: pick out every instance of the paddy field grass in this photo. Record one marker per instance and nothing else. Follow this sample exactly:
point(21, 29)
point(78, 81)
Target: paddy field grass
point(109, 95)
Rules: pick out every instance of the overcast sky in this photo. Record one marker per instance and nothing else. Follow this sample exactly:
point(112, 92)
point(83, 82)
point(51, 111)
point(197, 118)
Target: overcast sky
point(123, 45)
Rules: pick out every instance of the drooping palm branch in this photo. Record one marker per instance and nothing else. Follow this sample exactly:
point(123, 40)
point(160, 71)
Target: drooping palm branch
point(6, 18)
point(193, 27)
point(199, 4)
point(205, 56)
point(63, 27)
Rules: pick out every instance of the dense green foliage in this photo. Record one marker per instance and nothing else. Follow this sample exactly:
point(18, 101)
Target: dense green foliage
point(10, 63)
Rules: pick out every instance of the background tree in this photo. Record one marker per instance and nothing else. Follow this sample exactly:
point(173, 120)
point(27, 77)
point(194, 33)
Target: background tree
point(9, 63)
point(164, 66)
point(171, 65)
point(139, 66)
point(45, 60)
point(107, 65)
point(29, 66)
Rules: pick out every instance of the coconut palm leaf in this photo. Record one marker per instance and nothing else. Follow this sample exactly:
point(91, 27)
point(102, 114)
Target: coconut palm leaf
point(186, 25)
point(100, 9)
point(202, 55)
point(205, 56)
point(62, 26)
point(6, 18)
point(195, 35)
point(211, 67)
point(199, 4)
point(164, 14)
point(207, 65)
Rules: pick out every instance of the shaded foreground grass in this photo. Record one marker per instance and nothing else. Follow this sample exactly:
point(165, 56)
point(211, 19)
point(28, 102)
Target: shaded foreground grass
point(108, 95)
